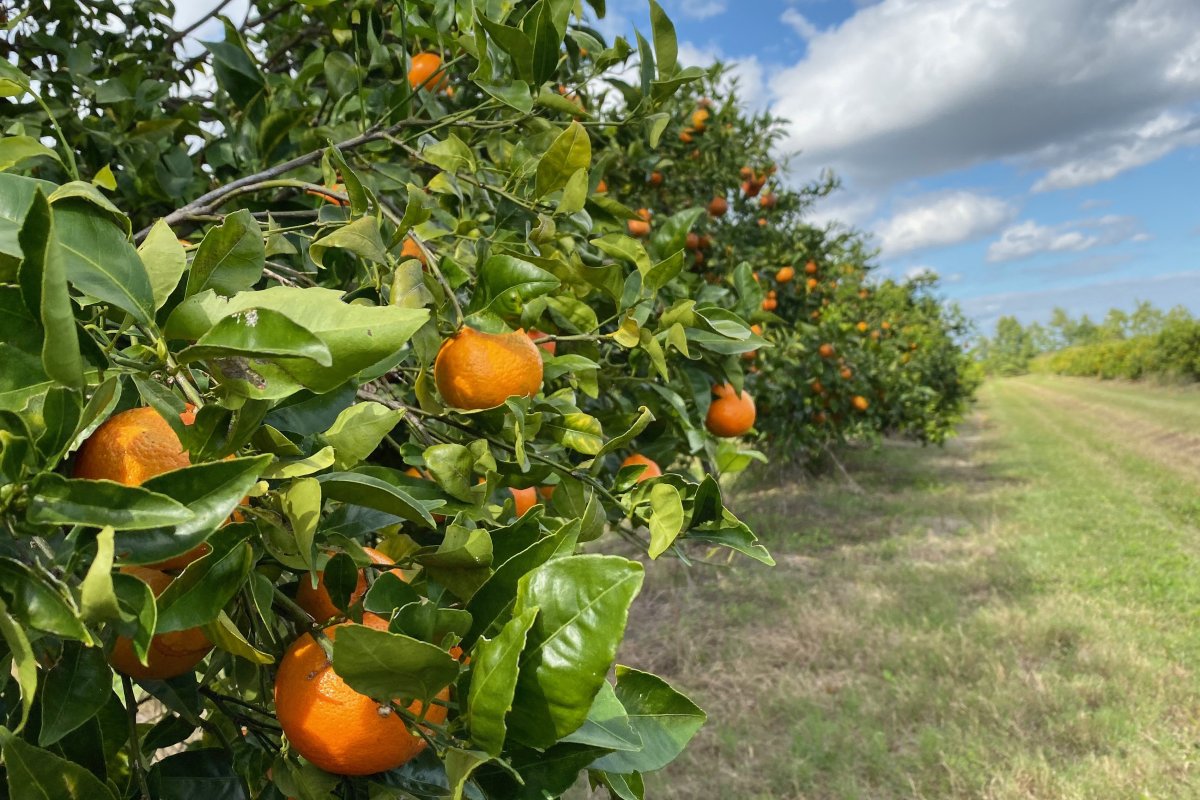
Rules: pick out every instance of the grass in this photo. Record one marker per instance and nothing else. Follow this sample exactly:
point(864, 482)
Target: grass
point(1013, 616)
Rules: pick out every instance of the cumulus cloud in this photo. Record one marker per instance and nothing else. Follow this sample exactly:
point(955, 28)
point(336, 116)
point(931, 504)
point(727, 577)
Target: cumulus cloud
point(703, 9)
point(1029, 238)
point(799, 23)
point(942, 219)
point(909, 88)
point(746, 71)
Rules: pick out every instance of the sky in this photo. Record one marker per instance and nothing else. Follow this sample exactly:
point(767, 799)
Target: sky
point(1032, 153)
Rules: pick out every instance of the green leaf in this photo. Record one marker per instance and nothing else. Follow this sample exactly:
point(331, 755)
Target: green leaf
point(197, 596)
point(369, 491)
point(360, 198)
point(75, 690)
point(514, 94)
point(299, 467)
point(571, 151)
point(358, 336)
point(211, 491)
point(224, 634)
point(644, 418)
point(646, 66)
point(512, 41)
point(97, 597)
point(40, 602)
point(451, 154)
point(100, 261)
point(105, 179)
point(360, 237)
point(607, 724)
point(341, 74)
point(494, 682)
point(576, 431)
point(575, 193)
point(388, 593)
point(452, 467)
point(666, 519)
point(503, 279)
point(664, 271)
point(584, 606)
point(230, 258)
point(666, 48)
point(23, 663)
point(207, 772)
point(358, 430)
point(16, 150)
point(43, 276)
point(139, 614)
point(731, 532)
point(258, 333)
point(301, 502)
point(385, 665)
point(545, 34)
point(60, 501)
point(655, 125)
point(234, 69)
point(618, 245)
point(36, 774)
point(164, 259)
point(664, 719)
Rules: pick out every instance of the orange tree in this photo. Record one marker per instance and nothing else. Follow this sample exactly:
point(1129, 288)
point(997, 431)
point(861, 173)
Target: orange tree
point(326, 352)
point(849, 355)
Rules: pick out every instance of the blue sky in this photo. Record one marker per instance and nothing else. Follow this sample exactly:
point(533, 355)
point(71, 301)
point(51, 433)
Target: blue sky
point(1033, 153)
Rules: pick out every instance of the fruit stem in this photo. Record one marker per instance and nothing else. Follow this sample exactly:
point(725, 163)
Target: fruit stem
point(139, 763)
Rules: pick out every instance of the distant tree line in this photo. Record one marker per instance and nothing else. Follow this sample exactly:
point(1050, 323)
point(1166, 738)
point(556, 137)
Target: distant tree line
point(1145, 342)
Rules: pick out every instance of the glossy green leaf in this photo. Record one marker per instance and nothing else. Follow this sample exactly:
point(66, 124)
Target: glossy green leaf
point(360, 237)
point(618, 245)
point(16, 150)
point(258, 333)
point(494, 682)
point(139, 612)
point(666, 47)
point(197, 596)
point(372, 492)
point(666, 518)
point(202, 774)
point(576, 431)
point(664, 719)
point(224, 634)
point(388, 593)
point(164, 259)
point(301, 501)
point(97, 598)
point(230, 258)
point(61, 501)
point(452, 467)
point(37, 774)
point(43, 278)
point(75, 690)
point(100, 261)
point(24, 665)
point(504, 278)
point(607, 724)
point(570, 152)
point(584, 605)
point(386, 665)
point(39, 601)
point(358, 430)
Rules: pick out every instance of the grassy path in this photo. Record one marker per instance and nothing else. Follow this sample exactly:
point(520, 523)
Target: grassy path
point(1014, 616)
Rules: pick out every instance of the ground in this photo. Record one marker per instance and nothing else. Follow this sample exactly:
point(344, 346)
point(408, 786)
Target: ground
point(1011, 616)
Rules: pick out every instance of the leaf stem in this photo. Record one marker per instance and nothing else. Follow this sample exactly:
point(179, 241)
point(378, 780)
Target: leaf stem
point(138, 759)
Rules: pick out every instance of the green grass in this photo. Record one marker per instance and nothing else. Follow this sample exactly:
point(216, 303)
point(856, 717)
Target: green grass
point(1013, 616)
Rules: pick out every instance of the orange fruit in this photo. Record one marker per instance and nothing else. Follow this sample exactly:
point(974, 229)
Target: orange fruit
point(718, 206)
point(425, 73)
point(811, 284)
point(337, 187)
point(817, 387)
point(768, 200)
point(860, 403)
point(601, 187)
point(810, 268)
point(476, 370)
point(692, 241)
point(319, 604)
point(550, 347)
point(862, 327)
point(132, 447)
point(746, 173)
point(863, 294)
point(785, 275)
point(640, 226)
point(770, 304)
point(170, 654)
point(410, 249)
point(825, 350)
point(656, 178)
point(885, 325)
point(731, 414)
point(846, 373)
point(652, 470)
point(685, 135)
point(524, 499)
point(335, 727)
point(762, 222)
point(700, 119)
point(750, 188)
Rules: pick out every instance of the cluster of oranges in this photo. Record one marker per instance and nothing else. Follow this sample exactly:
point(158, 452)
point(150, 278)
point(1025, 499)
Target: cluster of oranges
point(699, 121)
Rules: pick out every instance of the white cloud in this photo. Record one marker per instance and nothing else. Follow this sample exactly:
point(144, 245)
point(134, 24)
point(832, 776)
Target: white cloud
point(942, 219)
point(908, 88)
point(920, 271)
point(799, 23)
point(1122, 151)
point(697, 9)
point(1029, 238)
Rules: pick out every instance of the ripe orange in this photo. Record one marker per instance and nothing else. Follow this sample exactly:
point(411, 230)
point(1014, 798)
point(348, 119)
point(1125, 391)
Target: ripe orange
point(602, 186)
point(685, 135)
point(746, 173)
point(425, 73)
point(730, 414)
point(750, 188)
point(656, 178)
point(692, 241)
point(337, 187)
point(132, 447)
point(410, 249)
point(785, 275)
point(319, 604)
point(885, 325)
point(700, 119)
point(718, 206)
point(846, 373)
point(863, 294)
point(170, 654)
point(335, 727)
point(817, 387)
point(770, 304)
point(652, 470)
point(476, 370)
point(640, 226)
point(768, 200)
point(811, 284)
point(860, 403)
point(825, 350)
point(810, 268)
point(550, 347)
point(524, 499)
point(862, 327)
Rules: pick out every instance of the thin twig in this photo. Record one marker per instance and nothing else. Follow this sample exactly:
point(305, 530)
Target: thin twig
point(179, 36)
point(139, 761)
